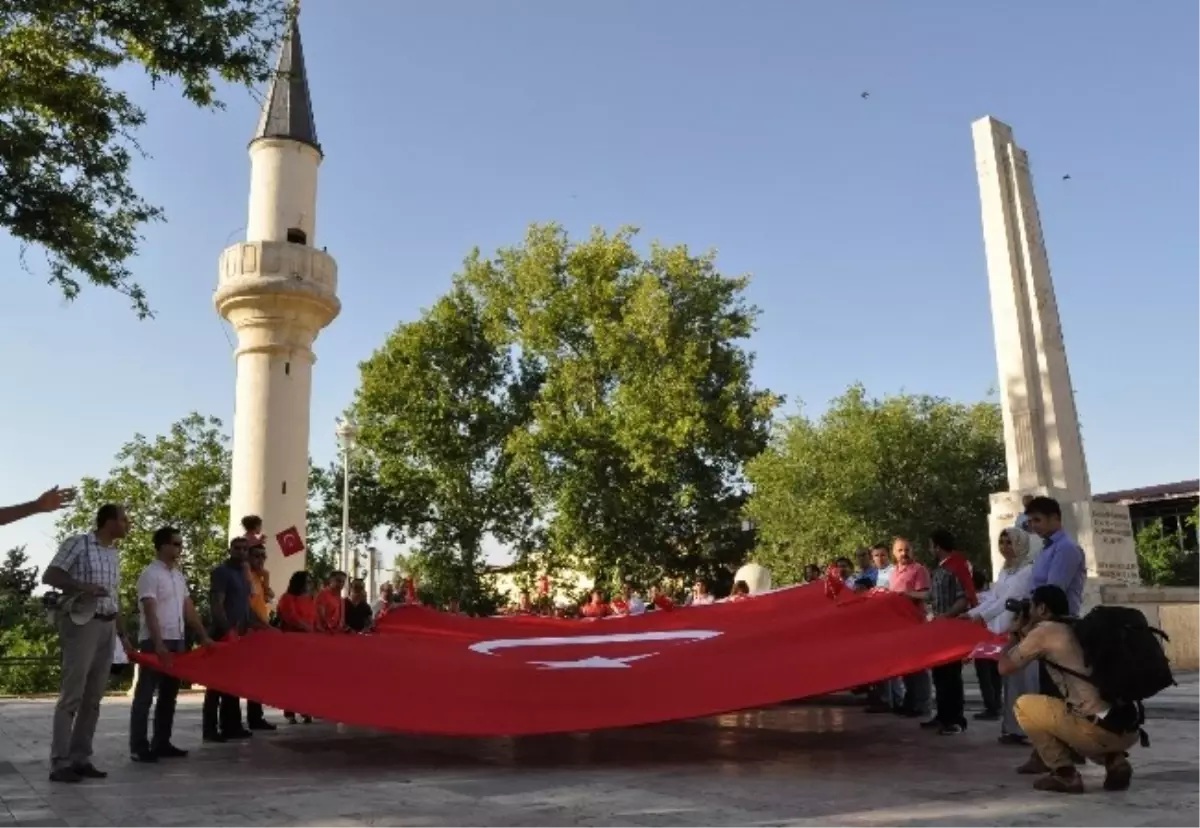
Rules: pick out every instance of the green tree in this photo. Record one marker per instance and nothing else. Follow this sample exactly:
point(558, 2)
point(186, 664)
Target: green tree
point(67, 136)
point(180, 478)
point(869, 469)
point(587, 405)
point(28, 644)
point(1162, 558)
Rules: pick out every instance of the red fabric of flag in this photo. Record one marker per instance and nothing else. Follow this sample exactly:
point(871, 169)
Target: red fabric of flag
point(431, 672)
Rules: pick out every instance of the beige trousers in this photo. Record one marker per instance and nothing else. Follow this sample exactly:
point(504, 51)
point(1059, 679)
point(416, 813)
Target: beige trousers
point(87, 654)
point(1054, 730)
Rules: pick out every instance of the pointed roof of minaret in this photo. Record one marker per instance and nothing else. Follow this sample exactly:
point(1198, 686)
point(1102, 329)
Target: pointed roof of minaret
point(287, 111)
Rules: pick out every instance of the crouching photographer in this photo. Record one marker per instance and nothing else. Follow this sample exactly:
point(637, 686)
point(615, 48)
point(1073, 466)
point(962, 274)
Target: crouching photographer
point(1099, 714)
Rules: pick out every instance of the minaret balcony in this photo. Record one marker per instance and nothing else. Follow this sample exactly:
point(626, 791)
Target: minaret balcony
point(274, 271)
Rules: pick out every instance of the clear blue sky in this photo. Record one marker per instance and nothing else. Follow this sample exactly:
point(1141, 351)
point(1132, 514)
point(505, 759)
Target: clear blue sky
point(448, 124)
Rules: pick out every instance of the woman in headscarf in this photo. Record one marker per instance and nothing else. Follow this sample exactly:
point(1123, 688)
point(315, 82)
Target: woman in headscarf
point(1013, 581)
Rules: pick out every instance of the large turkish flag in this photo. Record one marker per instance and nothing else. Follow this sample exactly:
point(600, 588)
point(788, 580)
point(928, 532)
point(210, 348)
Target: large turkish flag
point(431, 672)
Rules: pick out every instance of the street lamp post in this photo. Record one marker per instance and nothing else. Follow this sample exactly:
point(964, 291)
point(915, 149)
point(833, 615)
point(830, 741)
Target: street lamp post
point(347, 435)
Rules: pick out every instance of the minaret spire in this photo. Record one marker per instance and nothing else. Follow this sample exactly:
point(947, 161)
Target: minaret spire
point(287, 111)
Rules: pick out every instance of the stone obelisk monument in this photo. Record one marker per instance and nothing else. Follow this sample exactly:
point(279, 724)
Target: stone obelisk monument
point(1041, 427)
point(278, 291)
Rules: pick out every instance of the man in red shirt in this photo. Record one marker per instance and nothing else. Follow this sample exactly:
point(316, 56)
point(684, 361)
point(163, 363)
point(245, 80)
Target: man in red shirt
point(330, 607)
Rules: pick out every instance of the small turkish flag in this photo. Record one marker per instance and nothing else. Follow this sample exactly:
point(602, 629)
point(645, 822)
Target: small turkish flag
point(289, 541)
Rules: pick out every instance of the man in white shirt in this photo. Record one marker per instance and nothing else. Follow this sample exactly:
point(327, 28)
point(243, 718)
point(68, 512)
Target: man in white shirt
point(87, 571)
point(166, 605)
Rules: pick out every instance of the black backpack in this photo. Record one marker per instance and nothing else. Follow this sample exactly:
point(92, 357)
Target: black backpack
point(1125, 655)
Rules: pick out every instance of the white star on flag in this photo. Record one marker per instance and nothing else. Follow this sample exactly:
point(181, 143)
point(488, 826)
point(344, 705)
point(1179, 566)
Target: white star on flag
point(592, 663)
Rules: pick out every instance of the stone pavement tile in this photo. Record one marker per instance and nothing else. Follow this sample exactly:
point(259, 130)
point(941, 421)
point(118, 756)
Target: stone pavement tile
point(808, 764)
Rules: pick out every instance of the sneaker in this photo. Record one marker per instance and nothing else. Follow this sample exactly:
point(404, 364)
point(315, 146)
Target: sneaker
point(144, 755)
point(951, 730)
point(263, 725)
point(89, 771)
point(1062, 782)
point(65, 775)
point(169, 751)
point(987, 716)
point(1118, 772)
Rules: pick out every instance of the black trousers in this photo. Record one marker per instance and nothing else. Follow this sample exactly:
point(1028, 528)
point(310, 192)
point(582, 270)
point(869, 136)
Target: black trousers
point(948, 684)
point(990, 684)
point(149, 683)
point(222, 713)
point(254, 713)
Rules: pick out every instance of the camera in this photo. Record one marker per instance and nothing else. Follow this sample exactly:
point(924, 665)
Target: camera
point(1020, 607)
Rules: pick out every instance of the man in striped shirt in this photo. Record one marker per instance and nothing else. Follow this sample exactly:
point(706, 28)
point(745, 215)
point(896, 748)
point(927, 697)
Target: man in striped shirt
point(87, 571)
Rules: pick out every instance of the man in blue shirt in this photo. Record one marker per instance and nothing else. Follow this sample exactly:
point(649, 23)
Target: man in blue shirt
point(1061, 561)
point(1061, 564)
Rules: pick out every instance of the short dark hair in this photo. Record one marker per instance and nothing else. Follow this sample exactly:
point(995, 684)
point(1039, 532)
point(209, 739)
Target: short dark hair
point(741, 586)
point(840, 561)
point(252, 523)
point(882, 545)
point(163, 536)
point(942, 539)
point(1052, 598)
point(107, 512)
point(1044, 506)
point(335, 574)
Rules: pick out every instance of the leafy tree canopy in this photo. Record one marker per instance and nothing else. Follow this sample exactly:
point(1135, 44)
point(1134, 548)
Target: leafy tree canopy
point(181, 479)
point(28, 644)
point(1163, 559)
point(869, 469)
point(67, 136)
point(584, 403)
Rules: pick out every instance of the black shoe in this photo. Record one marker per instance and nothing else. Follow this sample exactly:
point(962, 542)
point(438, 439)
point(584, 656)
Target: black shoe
point(237, 735)
point(169, 751)
point(933, 723)
point(308, 719)
point(290, 718)
point(65, 775)
point(951, 730)
point(1013, 739)
point(909, 713)
point(987, 716)
point(144, 755)
point(89, 771)
point(215, 738)
point(263, 725)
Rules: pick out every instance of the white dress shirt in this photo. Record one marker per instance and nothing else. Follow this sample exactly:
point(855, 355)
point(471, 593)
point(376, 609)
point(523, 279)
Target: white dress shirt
point(166, 585)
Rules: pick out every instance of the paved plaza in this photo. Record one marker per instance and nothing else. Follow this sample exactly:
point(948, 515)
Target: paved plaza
point(818, 763)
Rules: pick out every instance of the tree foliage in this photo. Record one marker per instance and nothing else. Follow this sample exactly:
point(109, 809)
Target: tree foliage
point(869, 469)
point(1162, 558)
point(180, 478)
point(67, 136)
point(586, 405)
point(28, 644)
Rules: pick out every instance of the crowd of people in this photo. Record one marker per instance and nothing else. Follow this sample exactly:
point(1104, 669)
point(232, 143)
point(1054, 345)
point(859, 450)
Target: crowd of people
point(1040, 688)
